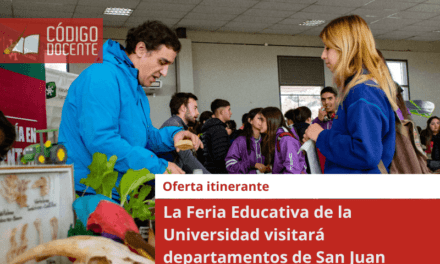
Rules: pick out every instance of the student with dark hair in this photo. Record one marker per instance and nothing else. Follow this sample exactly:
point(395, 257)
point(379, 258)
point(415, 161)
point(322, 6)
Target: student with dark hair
point(107, 111)
point(430, 136)
point(280, 146)
point(215, 138)
point(290, 117)
point(231, 126)
point(244, 119)
point(180, 101)
point(7, 136)
point(231, 129)
point(244, 155)
point(184, 112)
point(202, 119)
point(326, 114)
point(303, 118)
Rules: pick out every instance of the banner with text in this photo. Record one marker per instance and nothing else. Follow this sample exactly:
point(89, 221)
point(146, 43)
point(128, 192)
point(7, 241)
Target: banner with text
point(277, 219)
point(50, 40)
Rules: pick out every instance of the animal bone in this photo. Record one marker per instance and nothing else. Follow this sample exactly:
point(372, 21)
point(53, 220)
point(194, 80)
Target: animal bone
point(54, 224)
point(85, 249)
point(37, 224)
point(42, 183)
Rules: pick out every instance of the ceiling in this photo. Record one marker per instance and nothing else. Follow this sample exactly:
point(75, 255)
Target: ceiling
point(388, 19)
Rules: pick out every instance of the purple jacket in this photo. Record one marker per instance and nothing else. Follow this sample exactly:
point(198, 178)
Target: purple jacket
point(286, 160)
point(323, 124)
point(239, 161)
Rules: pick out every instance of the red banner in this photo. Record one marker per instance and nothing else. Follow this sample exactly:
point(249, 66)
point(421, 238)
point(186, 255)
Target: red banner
point(50, 40)
point(297, 231)
point(23, 102)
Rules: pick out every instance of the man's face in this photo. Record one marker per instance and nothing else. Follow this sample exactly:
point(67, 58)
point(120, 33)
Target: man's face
point(191, 112)
point(328, 101)
point(226, 113)
point(153, 64)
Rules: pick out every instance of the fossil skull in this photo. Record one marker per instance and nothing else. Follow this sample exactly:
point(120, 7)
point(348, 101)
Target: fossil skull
point(86, 250)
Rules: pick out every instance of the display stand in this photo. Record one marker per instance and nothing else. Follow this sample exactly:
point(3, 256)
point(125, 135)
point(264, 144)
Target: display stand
point(35, 208)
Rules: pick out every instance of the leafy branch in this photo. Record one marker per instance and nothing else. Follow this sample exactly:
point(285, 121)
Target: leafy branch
point(132, 188)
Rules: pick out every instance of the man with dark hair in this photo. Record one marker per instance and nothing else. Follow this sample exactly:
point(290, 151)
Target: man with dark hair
point(215, 138)
point(184, 113)
point(7, 136)
point(327, 112)
point(107, 111)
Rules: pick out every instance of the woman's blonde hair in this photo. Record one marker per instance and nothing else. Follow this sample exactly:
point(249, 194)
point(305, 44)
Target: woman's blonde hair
point(352, 39)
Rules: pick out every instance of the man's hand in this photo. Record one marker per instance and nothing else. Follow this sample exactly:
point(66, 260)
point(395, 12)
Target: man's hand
point(313, 131)
point(322, 113)
point(188, 135)
point(173, 169)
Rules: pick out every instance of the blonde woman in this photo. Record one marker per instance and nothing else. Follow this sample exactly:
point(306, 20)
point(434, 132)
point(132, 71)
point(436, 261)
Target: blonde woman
point(362, 137)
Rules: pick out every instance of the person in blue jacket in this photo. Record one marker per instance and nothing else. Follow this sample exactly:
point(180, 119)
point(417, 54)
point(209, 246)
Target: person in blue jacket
point(244, 155)
point(362, 137)
point(107, 111)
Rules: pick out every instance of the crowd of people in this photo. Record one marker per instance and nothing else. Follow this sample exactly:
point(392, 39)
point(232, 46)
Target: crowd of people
point(106, 111)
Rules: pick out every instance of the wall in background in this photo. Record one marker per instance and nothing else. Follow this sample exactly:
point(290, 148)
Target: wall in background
point(247, 75)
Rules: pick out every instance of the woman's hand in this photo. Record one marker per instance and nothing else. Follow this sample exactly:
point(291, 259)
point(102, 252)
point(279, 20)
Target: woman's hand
point(260, 167)
point(313, 131)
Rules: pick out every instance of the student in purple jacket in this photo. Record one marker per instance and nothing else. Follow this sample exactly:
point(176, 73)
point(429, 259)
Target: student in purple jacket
point(281, 144)
point(244, 155)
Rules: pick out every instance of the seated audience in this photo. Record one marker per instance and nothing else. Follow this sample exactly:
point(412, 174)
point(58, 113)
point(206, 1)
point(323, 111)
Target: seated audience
point(244, 155)
point(215, 138)
point(280, 145)
point(184, 113)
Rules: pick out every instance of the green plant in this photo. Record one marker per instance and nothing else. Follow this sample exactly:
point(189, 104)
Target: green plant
point(102, 177)
point(132, 188)
point(132, 185)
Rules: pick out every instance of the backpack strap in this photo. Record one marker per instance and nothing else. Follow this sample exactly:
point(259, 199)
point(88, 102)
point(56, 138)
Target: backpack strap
point(382, 168)
point(285, 133)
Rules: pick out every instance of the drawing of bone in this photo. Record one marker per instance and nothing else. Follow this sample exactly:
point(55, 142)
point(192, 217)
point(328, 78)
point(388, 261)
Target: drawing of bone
point(37, 224)
point(54, 224)
point(43, 184)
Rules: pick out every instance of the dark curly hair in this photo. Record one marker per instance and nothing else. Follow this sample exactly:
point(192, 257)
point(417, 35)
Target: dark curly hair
point(179, 99)
point(153, 34)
